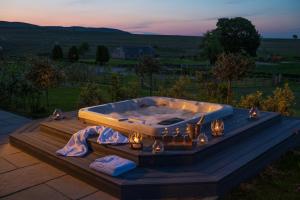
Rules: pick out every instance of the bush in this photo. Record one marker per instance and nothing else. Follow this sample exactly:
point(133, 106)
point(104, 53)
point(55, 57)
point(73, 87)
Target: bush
point(116, 90)
point(90, 95)
point(178, 90)
point(281, 101)
point(250, 100)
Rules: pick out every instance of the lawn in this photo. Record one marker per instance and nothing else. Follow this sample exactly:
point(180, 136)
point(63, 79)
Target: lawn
point(64, 98)
point(279, 181)
point(170, 61)
point(284, 68)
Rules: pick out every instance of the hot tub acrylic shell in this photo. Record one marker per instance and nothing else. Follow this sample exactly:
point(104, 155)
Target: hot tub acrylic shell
point(103, 114)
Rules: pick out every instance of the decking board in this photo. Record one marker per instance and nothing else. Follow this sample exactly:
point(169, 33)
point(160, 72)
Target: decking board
point(218, 172)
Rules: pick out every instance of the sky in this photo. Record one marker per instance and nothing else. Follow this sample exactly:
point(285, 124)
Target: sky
point(272, 18)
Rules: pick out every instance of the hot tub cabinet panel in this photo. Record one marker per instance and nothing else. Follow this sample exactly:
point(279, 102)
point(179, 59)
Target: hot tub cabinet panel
point(146, 115)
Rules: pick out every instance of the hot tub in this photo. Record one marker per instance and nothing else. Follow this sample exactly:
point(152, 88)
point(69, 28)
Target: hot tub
point(150, 115)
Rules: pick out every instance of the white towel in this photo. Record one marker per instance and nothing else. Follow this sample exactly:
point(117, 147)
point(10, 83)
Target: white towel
point(77, 145)
point(112, 165)
point(109, 136)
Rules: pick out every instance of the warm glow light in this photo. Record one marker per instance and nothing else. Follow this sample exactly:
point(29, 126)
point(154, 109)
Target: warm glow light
point(135, 140)
point(217, 128)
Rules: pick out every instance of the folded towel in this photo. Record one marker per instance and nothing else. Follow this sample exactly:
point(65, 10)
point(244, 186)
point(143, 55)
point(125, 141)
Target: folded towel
point(109, 136)
point(112, 165)
point(77, 145)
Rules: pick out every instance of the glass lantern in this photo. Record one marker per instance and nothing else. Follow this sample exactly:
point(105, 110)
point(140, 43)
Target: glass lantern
point(217, 128)
point(177, 135)
point(202, 139)
point(158, 146)
point(136, 141)
point(57, 114)
point(254, 113)
point(165, 133)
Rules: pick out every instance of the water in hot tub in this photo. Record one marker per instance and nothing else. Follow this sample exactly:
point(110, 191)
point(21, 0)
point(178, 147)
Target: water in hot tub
point(153, 115)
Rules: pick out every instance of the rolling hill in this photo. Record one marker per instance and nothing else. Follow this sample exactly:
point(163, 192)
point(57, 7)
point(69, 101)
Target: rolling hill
point(18, 38)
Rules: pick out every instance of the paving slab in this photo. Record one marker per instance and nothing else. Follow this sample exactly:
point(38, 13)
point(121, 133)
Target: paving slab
point(40, 192)
point(5, 166)
point(7, 149)
point(3, 139)
point(100, 195)
point(9, 122)
point(23, 178)
point(71, 187)
point(21, 159)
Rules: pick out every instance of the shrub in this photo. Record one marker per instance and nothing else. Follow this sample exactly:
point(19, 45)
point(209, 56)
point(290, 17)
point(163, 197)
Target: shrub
point(282, 100)
point(90, 95)
point(178, 90)
point(250, 100)
point(116, 90)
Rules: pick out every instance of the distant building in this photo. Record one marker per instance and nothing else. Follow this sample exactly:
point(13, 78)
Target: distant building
point(132, 52)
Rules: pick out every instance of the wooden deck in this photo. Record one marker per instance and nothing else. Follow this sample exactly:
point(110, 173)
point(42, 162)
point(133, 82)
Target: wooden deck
point(213, 170)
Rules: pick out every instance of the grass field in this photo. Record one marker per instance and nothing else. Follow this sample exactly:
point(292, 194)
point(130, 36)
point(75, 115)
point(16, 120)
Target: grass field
point(33, 42)
point(284, 68)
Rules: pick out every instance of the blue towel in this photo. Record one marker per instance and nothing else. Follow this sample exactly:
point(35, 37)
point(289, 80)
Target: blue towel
point(109, 136)
point(112, 165)
point(77, 145)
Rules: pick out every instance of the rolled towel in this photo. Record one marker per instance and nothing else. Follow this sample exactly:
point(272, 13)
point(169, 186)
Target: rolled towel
point(112, 165)
point(109, 136)
point(77, 145)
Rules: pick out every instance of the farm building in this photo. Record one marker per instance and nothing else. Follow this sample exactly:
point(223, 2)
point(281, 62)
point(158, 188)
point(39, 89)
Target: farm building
point(132, 52)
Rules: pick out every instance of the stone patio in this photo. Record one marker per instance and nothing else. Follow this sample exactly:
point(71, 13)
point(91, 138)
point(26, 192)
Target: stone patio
point(24, 177)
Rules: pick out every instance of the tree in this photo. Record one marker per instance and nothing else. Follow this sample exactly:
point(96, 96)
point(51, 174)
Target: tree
point(238, 35)
point(43, 76)
point(83, 48)
point(232, 66)
point(295, 36)
point(212, 46)
point(102, 55)
point(73, 54)
point(148, 65)
point(57, 53)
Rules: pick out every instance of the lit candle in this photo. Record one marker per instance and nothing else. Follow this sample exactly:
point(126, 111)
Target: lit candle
point(202, 140)
point(217, 128)
point(158, 146)
point(135, 140)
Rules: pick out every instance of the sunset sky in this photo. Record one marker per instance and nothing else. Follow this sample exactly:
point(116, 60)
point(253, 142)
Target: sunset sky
point(273, 18)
